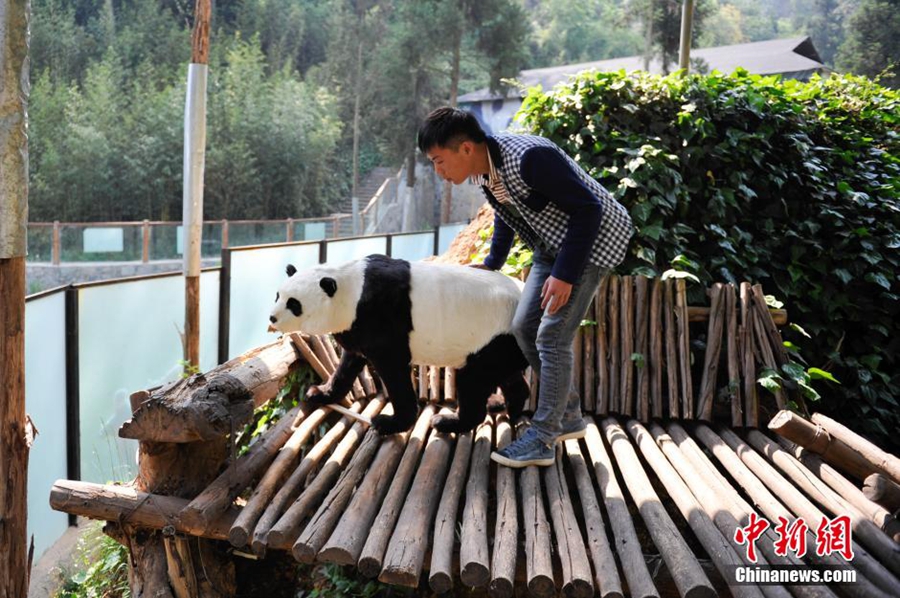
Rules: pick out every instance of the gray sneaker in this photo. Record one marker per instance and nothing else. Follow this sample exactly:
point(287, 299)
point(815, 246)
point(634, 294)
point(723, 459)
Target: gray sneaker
point(526, 450)
point(572, 430)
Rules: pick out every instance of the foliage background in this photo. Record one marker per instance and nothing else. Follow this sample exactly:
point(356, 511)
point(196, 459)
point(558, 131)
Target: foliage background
point(791, 185)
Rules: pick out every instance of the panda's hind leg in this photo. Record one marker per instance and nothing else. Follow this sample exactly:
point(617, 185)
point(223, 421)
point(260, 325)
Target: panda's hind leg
point(516, 392)
point(472, 391)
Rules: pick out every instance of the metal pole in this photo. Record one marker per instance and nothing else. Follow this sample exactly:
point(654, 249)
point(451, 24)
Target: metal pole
point(687, 23)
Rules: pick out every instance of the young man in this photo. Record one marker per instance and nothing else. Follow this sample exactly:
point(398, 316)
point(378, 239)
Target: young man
point(577, 231)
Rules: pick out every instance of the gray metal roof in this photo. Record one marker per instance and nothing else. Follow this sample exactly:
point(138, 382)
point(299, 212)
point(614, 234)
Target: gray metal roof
point(777, 56)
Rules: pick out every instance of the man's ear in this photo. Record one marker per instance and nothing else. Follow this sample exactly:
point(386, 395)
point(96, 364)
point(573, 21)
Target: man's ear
point(329, 285)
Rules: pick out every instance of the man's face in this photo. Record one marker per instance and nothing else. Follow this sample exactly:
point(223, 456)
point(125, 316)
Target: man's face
point(454, 165)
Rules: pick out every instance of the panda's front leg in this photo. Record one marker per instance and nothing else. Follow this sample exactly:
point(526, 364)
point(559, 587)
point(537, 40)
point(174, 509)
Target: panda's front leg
point(341, 381)
point(394, 373)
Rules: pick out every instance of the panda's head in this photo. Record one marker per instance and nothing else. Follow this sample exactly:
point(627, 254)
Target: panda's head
point(314, 301)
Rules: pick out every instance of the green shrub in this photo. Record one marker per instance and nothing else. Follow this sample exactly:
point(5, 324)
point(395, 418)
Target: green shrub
point(792, 185)
point(101, 568)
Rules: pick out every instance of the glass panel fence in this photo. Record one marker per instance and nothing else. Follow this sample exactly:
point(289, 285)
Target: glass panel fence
point(412, 247)
point(343, 251)
point(256, 233)
point(256, 275)
point(97, 243)
point(447, 233)
point(45, 402)
point(40, 243)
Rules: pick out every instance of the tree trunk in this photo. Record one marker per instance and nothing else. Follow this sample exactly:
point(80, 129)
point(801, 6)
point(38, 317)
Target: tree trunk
point(356, 102)
point(447, 198)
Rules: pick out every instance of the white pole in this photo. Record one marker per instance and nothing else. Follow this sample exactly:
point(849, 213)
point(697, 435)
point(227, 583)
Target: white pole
point(194, 164)
point(687, 23)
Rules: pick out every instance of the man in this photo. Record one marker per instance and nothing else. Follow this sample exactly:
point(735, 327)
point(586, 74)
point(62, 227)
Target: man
point(577, 231)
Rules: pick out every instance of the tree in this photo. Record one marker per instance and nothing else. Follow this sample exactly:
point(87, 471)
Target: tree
point(872, 47)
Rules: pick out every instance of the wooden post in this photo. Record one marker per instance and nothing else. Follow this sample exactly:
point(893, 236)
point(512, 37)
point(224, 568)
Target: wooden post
point(441, 571)
point(224, 234)
point(684, 350)
point(406, 551)
point(683, 565)
point(145, 241)
point(601, 301)
point(734, 356)
point(641, 346)
point(879, 460)
point(55, 251)
point(506, 528)
point(538, 566)
point(615, 366)
point(589, 386)
point(17, 431)
point(655, 361)
point(626, 543)
point(672, 348)
point(748, 365)
point(290, 230)
point(578, 361)
point(708, 386)
point(626, 315)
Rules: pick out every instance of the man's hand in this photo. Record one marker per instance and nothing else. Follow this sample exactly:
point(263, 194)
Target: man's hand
point(557, 291)
point(478, 266)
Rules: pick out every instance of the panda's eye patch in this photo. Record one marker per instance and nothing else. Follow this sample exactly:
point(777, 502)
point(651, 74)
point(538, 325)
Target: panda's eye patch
point(295, 307)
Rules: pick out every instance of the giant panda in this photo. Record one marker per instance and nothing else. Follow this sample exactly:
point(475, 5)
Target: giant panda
point(393, 313)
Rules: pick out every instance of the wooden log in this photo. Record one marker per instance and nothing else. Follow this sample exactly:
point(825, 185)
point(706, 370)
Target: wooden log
point(506, 530)
point(292, 488)
point(450, 385)
point(716, 537)
point(606, 576)
point(802, 507)
point(371, 558)
point(686, 571)
point(881, 461)
point(601, 302)
point(816, 438)
point(642, 346)
point(708, 382)
point(701, 314)
point(538, 566)
point(748, 366)
point(637, 576)
point(769, 326)
point(589, 385)
point(219, 495)
point(367, 382)
point(210, 406)
point(578, 380)
point(765, 352)
point(141, 509)
point(684, 349)
point(318, 347)
point(576, 571)
point(732, 341)
point(719, 505)
point(406, 550)
point(309, 355)
point(276, 473)
point(626, 337)
point(474, 559)
point(351, 414)
point(764, 499)
point(655, 361)
point(434, 384)
point(864, 531)
point(441, 570)
point(672, 369)
point(882, 490)
point(845, 489)
point(615, 365)
point(423, 382)
point(339, 527)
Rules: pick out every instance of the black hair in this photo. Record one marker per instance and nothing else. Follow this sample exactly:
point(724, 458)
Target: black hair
point(448, 127)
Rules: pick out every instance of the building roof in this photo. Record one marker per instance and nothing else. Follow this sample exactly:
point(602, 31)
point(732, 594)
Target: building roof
point(777, 56)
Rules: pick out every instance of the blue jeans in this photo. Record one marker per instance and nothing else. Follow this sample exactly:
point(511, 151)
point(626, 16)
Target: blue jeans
point(546, 341)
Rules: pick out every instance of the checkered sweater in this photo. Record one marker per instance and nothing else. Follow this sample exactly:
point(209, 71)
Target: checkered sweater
point(553, 205)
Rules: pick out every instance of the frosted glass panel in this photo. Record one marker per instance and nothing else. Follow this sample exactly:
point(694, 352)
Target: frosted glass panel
point(45, 402)
point(447, 233)
point(256, 275)
point(99, 240)
point(353, 249)
point(128, 340)
point(412, 247)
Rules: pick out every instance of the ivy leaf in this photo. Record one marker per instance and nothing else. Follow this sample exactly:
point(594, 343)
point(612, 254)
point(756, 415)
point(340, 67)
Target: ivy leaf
point(819, 374)
point(679, 274)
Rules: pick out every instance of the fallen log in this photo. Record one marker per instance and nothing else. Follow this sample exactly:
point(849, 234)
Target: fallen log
point(441, 571)
point(506, 529)
point(883, 490)
point(474, 559)
point(881, 461)
point(538, 566)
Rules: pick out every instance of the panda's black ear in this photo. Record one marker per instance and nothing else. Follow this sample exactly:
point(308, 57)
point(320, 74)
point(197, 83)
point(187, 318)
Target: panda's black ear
point(291, 270)
point(329, 285)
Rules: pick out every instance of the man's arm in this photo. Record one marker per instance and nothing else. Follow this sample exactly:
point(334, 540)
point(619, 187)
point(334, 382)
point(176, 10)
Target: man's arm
point(546, 171)
point(501, 243)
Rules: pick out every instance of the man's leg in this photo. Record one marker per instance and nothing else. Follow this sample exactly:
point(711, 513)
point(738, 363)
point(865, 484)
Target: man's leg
point(557, 396)
point(528, 313)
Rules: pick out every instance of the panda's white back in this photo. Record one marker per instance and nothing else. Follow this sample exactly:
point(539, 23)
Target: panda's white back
point(457, 310)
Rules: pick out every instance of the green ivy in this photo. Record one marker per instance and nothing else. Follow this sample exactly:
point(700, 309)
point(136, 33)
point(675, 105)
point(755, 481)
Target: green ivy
point(100, 568)
point(788, 184)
